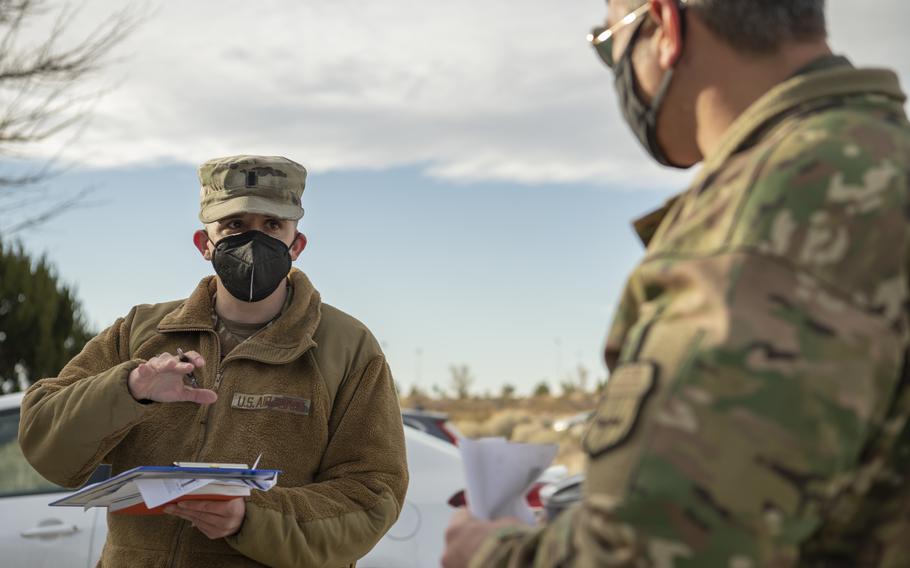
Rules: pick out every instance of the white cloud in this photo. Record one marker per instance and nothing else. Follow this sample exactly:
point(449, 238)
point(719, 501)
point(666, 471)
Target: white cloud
point(469, 90)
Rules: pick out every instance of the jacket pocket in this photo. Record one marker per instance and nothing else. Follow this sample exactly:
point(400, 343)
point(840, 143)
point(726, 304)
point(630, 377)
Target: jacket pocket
point(620, 406)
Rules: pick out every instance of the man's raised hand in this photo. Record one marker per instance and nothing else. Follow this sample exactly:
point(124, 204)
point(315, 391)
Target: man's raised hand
point(161, 379)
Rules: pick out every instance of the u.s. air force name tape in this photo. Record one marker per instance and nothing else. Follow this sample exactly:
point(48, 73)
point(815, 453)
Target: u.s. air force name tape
point(277, 402)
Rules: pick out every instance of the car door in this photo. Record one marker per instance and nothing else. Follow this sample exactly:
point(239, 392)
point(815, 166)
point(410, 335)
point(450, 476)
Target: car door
point(417, 539)
point(32, 534)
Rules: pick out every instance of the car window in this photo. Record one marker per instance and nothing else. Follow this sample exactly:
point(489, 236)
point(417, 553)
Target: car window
point(17, 477)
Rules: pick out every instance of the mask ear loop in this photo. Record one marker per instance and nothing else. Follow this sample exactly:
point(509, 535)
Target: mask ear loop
point(657, 102)
point(653, 109)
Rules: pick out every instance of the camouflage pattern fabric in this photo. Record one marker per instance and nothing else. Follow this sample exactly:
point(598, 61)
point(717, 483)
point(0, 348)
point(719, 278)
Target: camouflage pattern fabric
point(757, 410)
point(267, 185)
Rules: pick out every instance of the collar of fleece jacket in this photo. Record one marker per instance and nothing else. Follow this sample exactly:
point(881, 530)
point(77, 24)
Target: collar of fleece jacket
point(286, 339)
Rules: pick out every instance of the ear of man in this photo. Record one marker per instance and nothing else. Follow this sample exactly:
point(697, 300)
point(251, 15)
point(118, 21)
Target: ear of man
point(201, 242)
point(667, 39)
point(298, 245)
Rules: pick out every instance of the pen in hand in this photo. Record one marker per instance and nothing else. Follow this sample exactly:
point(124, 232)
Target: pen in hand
point(191, 375)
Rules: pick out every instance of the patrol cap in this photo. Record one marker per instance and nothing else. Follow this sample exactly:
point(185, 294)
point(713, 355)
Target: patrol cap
point(268, 185)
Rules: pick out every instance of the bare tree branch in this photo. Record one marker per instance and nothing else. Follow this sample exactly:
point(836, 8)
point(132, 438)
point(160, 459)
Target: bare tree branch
point(43, 94)
point(49, 212)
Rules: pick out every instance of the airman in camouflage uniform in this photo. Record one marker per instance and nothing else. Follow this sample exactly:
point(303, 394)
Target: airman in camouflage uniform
point(757, 410)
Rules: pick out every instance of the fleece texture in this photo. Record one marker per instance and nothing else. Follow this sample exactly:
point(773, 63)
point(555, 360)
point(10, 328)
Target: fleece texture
point(344, 471)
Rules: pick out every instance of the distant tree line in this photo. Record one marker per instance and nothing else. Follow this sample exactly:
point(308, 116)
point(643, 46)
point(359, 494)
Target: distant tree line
point(461, 381)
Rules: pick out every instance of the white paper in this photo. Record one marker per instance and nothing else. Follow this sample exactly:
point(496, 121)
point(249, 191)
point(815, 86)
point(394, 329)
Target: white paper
point(126, 493)
point(159, 491)
point(499, 473)
point(217, 465)
point(261, 484)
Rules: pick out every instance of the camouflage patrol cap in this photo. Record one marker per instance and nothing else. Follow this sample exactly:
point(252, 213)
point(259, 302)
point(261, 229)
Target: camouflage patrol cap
point(269, 185)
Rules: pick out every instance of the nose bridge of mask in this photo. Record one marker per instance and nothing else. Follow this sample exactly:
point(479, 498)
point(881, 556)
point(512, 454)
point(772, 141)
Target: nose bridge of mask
point(240, 241)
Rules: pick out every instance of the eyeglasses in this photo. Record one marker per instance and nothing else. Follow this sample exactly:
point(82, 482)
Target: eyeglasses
point(602, 38)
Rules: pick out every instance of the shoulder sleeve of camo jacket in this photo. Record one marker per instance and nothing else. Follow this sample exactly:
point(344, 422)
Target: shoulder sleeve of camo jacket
point(70, 422)
point(760, 394)
point(357, 495)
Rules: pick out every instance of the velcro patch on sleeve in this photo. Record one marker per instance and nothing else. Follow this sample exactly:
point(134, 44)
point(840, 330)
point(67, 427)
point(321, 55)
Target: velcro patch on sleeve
point(620, 406)
point(277, 402)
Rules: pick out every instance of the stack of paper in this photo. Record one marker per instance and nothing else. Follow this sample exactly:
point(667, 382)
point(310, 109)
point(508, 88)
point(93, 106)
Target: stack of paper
point(499, 473)
point(146, 490)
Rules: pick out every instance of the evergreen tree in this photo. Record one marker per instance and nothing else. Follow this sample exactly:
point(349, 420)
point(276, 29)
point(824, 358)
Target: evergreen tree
point(41, 321)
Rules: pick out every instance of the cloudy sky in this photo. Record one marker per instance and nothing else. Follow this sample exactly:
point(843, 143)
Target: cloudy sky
point(471, 182)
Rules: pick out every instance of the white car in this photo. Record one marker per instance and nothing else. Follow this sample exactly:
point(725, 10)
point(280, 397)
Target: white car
point(32, 534)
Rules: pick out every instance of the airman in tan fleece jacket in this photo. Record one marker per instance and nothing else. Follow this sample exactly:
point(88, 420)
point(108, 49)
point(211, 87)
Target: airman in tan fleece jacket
point(311, 391)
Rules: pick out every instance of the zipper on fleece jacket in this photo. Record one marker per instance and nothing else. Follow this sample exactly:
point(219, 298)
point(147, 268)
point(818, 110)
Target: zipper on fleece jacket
point(219, 377)
point(205, 419)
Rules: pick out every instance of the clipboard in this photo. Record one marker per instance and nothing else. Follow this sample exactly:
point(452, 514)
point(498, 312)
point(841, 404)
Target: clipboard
point(148, 489)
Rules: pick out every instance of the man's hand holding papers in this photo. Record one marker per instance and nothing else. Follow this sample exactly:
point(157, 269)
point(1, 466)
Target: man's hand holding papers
point(498, 474)
point(207, 495)
point(214, 519)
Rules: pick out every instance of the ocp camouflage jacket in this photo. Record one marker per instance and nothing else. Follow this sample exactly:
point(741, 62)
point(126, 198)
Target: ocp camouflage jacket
point(757, 411)
point(339, 441)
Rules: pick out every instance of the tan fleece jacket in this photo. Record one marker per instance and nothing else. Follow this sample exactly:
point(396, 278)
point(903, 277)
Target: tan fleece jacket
point(342, 453)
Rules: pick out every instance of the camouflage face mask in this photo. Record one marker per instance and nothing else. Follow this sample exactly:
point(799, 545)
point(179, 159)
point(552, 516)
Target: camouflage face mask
point(251, 265)
point(638, 114)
